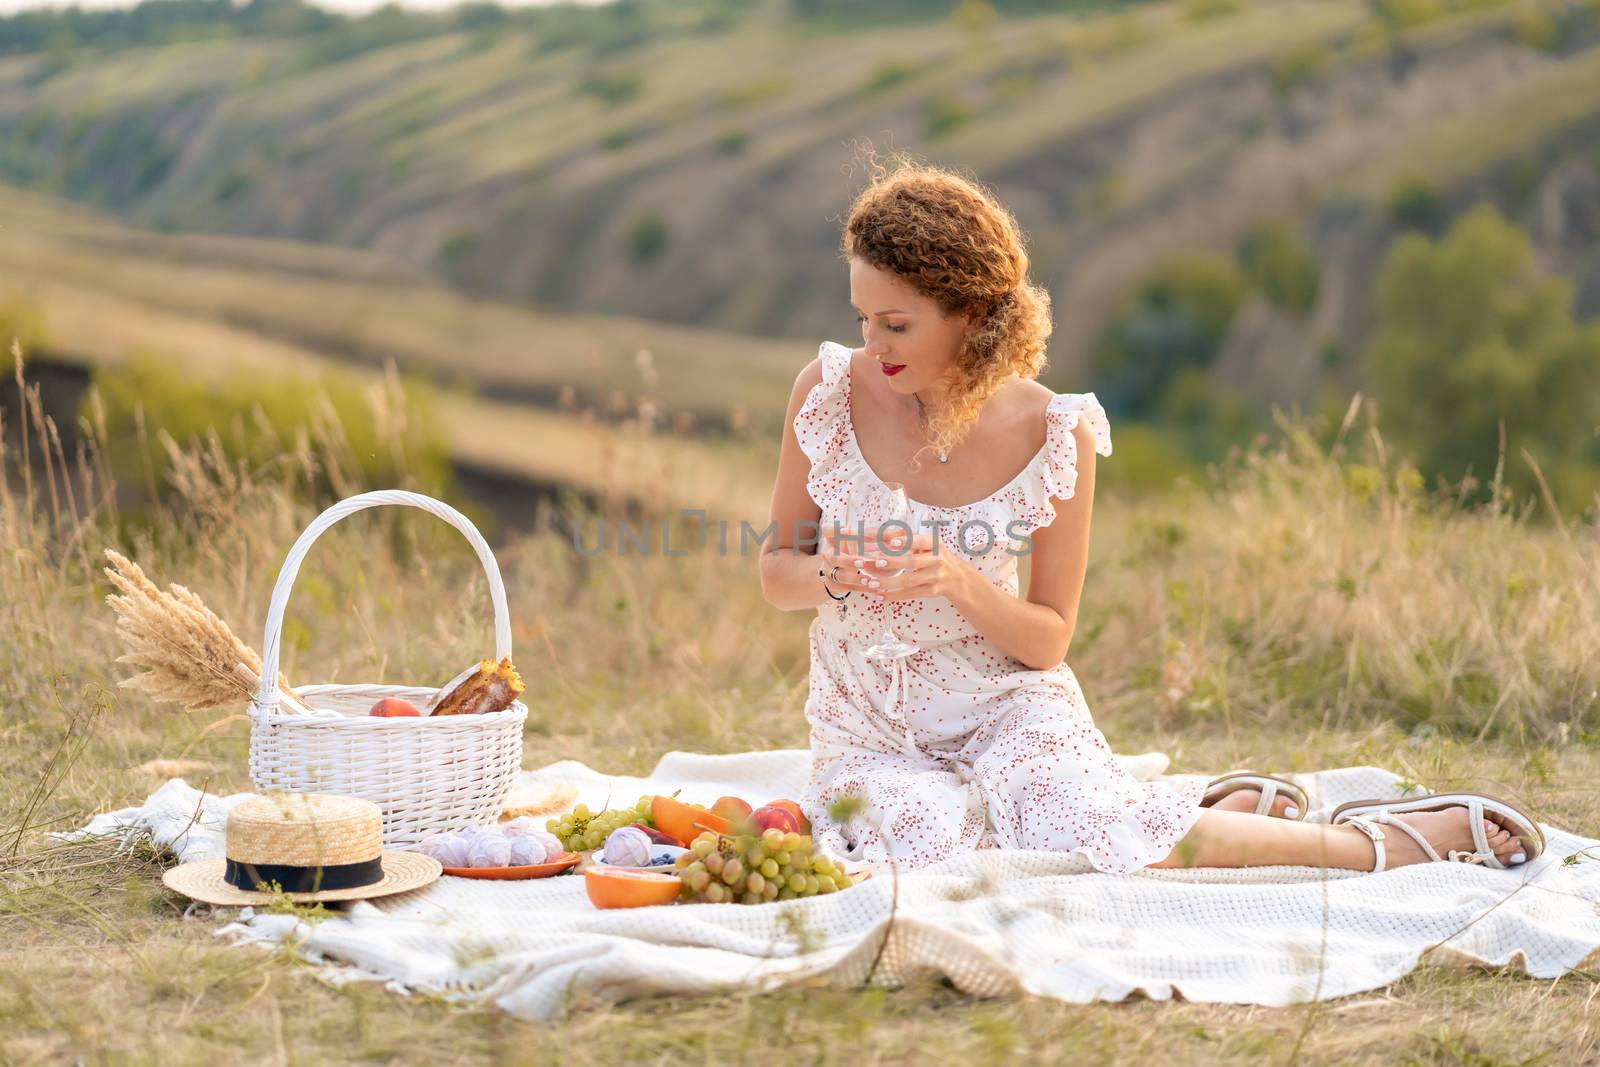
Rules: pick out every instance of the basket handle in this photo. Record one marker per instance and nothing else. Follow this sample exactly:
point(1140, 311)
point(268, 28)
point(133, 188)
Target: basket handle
point(271, 644)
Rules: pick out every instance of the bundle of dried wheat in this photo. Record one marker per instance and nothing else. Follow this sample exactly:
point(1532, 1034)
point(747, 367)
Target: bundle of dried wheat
point(194, 659)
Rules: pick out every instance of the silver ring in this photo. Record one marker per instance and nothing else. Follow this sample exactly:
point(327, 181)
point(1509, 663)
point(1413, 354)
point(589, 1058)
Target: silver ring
point(833, 575)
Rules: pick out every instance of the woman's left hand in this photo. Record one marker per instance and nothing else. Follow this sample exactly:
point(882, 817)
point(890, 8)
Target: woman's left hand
point(929, 573)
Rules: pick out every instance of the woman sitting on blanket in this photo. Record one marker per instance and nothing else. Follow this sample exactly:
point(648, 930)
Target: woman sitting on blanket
point(941, 708)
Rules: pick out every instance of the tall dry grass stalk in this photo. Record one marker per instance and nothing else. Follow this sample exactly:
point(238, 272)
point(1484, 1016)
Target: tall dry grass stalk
point(221, 519)
point(78, 490)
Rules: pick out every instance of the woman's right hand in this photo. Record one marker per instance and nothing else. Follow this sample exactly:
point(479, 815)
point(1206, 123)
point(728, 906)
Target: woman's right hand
point(843, 555)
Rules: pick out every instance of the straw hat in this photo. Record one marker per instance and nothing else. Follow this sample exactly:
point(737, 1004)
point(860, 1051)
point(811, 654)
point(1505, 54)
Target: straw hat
point(317, 846)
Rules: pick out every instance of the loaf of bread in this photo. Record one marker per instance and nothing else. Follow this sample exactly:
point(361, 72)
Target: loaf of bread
point(492, 687)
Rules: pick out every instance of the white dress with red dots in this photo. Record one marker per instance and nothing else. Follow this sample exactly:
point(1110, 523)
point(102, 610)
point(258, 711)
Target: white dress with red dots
point(960, 746)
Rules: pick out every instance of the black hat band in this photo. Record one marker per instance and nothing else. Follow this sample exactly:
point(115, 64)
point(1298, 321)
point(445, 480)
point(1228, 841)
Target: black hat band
point(293, 878)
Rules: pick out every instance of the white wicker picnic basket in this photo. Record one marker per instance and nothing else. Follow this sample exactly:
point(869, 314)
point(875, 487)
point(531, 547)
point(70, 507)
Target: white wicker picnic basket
point(427, 774)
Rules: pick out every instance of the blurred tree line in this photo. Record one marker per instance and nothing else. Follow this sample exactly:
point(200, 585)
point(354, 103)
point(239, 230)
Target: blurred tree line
point(1469, 334)
point(155, 22)
point(611, 26)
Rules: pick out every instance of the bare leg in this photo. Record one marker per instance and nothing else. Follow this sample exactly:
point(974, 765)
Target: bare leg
point(1243, 839)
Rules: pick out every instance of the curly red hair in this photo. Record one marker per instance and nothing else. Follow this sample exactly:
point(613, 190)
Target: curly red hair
point(951, 239)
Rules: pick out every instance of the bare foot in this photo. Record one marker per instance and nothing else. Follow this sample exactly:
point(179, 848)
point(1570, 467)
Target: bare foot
point(1247, 799)
point(1445, 830)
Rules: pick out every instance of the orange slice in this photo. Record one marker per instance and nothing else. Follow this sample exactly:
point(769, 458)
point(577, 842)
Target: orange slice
point(630, 889)
point(684, 821)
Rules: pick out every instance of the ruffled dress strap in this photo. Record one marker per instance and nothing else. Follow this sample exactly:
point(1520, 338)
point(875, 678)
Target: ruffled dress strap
point(1065, 411)
point(822, 426)
point(1055, 475)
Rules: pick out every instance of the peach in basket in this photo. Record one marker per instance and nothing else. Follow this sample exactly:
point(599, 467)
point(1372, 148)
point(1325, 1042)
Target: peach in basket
point(393, 708)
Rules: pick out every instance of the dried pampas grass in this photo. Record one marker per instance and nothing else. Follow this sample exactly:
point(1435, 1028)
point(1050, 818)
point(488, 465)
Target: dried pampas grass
point(192, 656)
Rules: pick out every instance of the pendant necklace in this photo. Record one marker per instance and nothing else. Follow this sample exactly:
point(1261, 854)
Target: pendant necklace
point(922, 417)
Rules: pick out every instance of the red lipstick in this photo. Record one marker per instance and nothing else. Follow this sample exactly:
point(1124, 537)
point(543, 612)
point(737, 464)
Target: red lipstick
point(891, 368)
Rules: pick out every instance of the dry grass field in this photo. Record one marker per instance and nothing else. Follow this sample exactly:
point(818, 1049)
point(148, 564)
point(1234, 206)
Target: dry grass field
point(1305, 606)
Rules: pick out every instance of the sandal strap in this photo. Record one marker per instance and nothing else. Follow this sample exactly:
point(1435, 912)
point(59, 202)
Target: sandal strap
point(1389, 820)
point(1368, 827)
point(1458, 856)
point(1269, 792)
point(1267, 785)
point(1484, 855)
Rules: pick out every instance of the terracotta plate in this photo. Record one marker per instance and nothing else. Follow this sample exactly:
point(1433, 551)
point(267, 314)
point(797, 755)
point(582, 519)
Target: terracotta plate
point(563, 862)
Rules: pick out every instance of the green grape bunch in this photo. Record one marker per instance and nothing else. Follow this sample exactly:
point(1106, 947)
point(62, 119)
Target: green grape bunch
point(756, 868)
point(581, 830)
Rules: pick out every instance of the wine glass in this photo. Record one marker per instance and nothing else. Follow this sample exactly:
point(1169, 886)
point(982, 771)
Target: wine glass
point(888, 646)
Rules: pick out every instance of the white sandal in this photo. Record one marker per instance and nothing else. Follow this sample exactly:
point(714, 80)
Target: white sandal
point(1367, 815)
point(1270, 788)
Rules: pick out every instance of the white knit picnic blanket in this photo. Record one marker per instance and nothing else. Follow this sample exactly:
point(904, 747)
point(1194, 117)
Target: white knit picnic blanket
point(993, 922)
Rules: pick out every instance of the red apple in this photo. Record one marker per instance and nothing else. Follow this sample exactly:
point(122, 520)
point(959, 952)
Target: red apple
point(731, 808)
point(394, 707)
point(770, 817)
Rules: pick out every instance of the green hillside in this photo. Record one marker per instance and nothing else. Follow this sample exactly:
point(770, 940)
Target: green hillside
point(362, 308)
point(574, 208)
point(530, 398)
point(688, 162)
